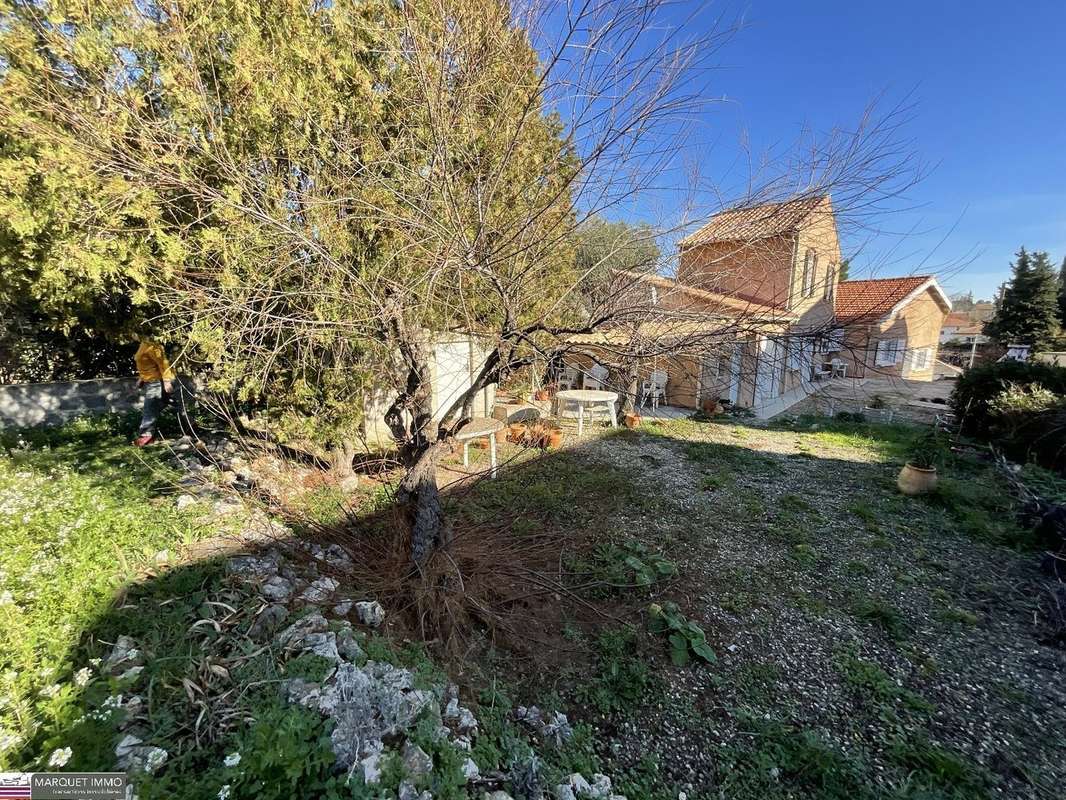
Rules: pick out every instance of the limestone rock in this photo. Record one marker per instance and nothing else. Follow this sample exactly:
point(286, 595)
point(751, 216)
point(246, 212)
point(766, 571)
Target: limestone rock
point(556, 728)
point(254, 566)
point(319, 590)
point(601, 787)
point(460, 718)
point(470, 770)
point(370, 613)
point(276, 589)
point(368, 704)
point(343, 608)
point(294, 636)
point(348, 646)
point(123, 656)
point(416, 761)
point(135, 756)
point(268, 621)
point(371, 769)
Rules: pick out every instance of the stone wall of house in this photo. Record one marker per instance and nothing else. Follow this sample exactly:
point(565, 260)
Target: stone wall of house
point(26, 404)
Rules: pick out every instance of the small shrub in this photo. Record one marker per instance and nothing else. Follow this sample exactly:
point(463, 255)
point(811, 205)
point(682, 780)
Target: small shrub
point(1019, 406)
point(928, 450)
point(686, 637)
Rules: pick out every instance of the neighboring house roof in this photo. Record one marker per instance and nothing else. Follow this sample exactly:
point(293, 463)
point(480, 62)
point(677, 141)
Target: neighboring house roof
point(958, 319)
point(755, 222)
point(871, 300)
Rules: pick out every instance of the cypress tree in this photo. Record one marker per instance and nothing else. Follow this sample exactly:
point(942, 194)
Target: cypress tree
point(1028, 311)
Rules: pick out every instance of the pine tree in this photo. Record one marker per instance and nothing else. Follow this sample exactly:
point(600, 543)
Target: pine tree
point(1028, 310)
point(1062, 294)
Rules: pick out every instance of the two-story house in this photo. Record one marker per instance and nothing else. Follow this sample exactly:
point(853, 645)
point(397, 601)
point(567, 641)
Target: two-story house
point(776, 268)
point(783, 255)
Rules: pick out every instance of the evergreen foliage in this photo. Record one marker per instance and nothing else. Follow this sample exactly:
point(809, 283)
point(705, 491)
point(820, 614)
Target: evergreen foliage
point(1028, 309)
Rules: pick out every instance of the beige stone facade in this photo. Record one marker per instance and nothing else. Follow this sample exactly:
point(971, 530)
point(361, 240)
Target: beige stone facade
point(777, 267)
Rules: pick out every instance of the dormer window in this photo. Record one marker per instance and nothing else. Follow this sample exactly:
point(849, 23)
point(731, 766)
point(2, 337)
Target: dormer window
point(810, 269)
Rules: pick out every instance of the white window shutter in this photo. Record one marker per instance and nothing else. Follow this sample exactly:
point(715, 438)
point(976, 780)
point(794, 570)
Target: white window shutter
point(882, 353)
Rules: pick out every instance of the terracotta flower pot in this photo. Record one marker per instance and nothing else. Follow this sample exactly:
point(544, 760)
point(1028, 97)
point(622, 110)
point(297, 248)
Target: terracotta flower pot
point(632, 420)
point(542, 394)
point(555, 439)
point(515, 432)
point(914, 480)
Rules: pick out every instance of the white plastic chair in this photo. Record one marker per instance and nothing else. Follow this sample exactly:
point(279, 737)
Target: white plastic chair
point(568, 378)
point(596, 377)
point(838, 367)
point(654, 389)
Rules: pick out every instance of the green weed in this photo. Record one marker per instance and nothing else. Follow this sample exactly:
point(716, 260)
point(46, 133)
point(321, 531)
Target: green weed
point(621, 679)
point(878, 611)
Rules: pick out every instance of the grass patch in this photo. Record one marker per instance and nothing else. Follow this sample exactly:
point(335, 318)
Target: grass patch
point(869, 516)
point(80, 516)
point(975, 503)
point(878, 685)
point(877, 611)
point(957, 616)
point(559, 489)
point(621, 677)
point(936, 771)
point(735, 458)
point(779, 760)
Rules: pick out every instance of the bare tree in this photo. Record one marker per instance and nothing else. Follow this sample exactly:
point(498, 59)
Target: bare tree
point(443, 196)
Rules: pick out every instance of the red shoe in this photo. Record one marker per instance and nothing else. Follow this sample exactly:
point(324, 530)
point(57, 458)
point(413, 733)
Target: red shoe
point(142, 440)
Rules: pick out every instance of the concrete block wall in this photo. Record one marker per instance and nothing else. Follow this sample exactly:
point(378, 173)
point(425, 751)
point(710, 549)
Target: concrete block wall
point(26, 404)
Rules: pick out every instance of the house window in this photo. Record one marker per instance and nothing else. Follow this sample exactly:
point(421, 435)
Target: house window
point(654, 296)
point(810, 269)
point(831, 342)
point(921, 359)
point(830, 282)
point(889, 352)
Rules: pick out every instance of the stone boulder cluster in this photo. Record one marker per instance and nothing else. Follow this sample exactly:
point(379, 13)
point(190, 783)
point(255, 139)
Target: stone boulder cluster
point(374, 705)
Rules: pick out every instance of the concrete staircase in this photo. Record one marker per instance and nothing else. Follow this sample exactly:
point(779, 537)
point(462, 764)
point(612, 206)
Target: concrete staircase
point(781, 404)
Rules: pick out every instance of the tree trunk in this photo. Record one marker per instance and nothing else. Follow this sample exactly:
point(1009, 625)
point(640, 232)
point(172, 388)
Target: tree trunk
point(629, 402)
point(420, 496)
point(341, 456)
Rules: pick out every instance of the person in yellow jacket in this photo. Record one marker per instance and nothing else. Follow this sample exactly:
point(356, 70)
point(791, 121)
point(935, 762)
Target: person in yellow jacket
point(157, 377)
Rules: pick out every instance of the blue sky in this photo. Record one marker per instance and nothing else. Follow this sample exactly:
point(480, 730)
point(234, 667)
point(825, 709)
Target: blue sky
point(988, 84)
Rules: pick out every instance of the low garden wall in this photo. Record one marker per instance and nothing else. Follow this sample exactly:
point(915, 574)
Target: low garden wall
point(26, 404)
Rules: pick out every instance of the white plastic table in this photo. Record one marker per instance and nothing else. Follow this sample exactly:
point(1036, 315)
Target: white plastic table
point(588, 397)
point(475, 429)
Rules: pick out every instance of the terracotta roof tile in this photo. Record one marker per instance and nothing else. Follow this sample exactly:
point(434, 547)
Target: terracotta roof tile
point(872, 299)
point(755, 222)
point(712, 302)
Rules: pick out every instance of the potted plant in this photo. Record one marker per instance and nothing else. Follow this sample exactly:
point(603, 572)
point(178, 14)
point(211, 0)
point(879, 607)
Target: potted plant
point(545, 393)
point(554, 438)
point(919, 474)
point(632, 419)
point(516, 431)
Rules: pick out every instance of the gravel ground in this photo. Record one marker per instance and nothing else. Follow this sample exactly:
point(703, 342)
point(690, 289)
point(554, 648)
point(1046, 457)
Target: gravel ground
point(841, 609)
